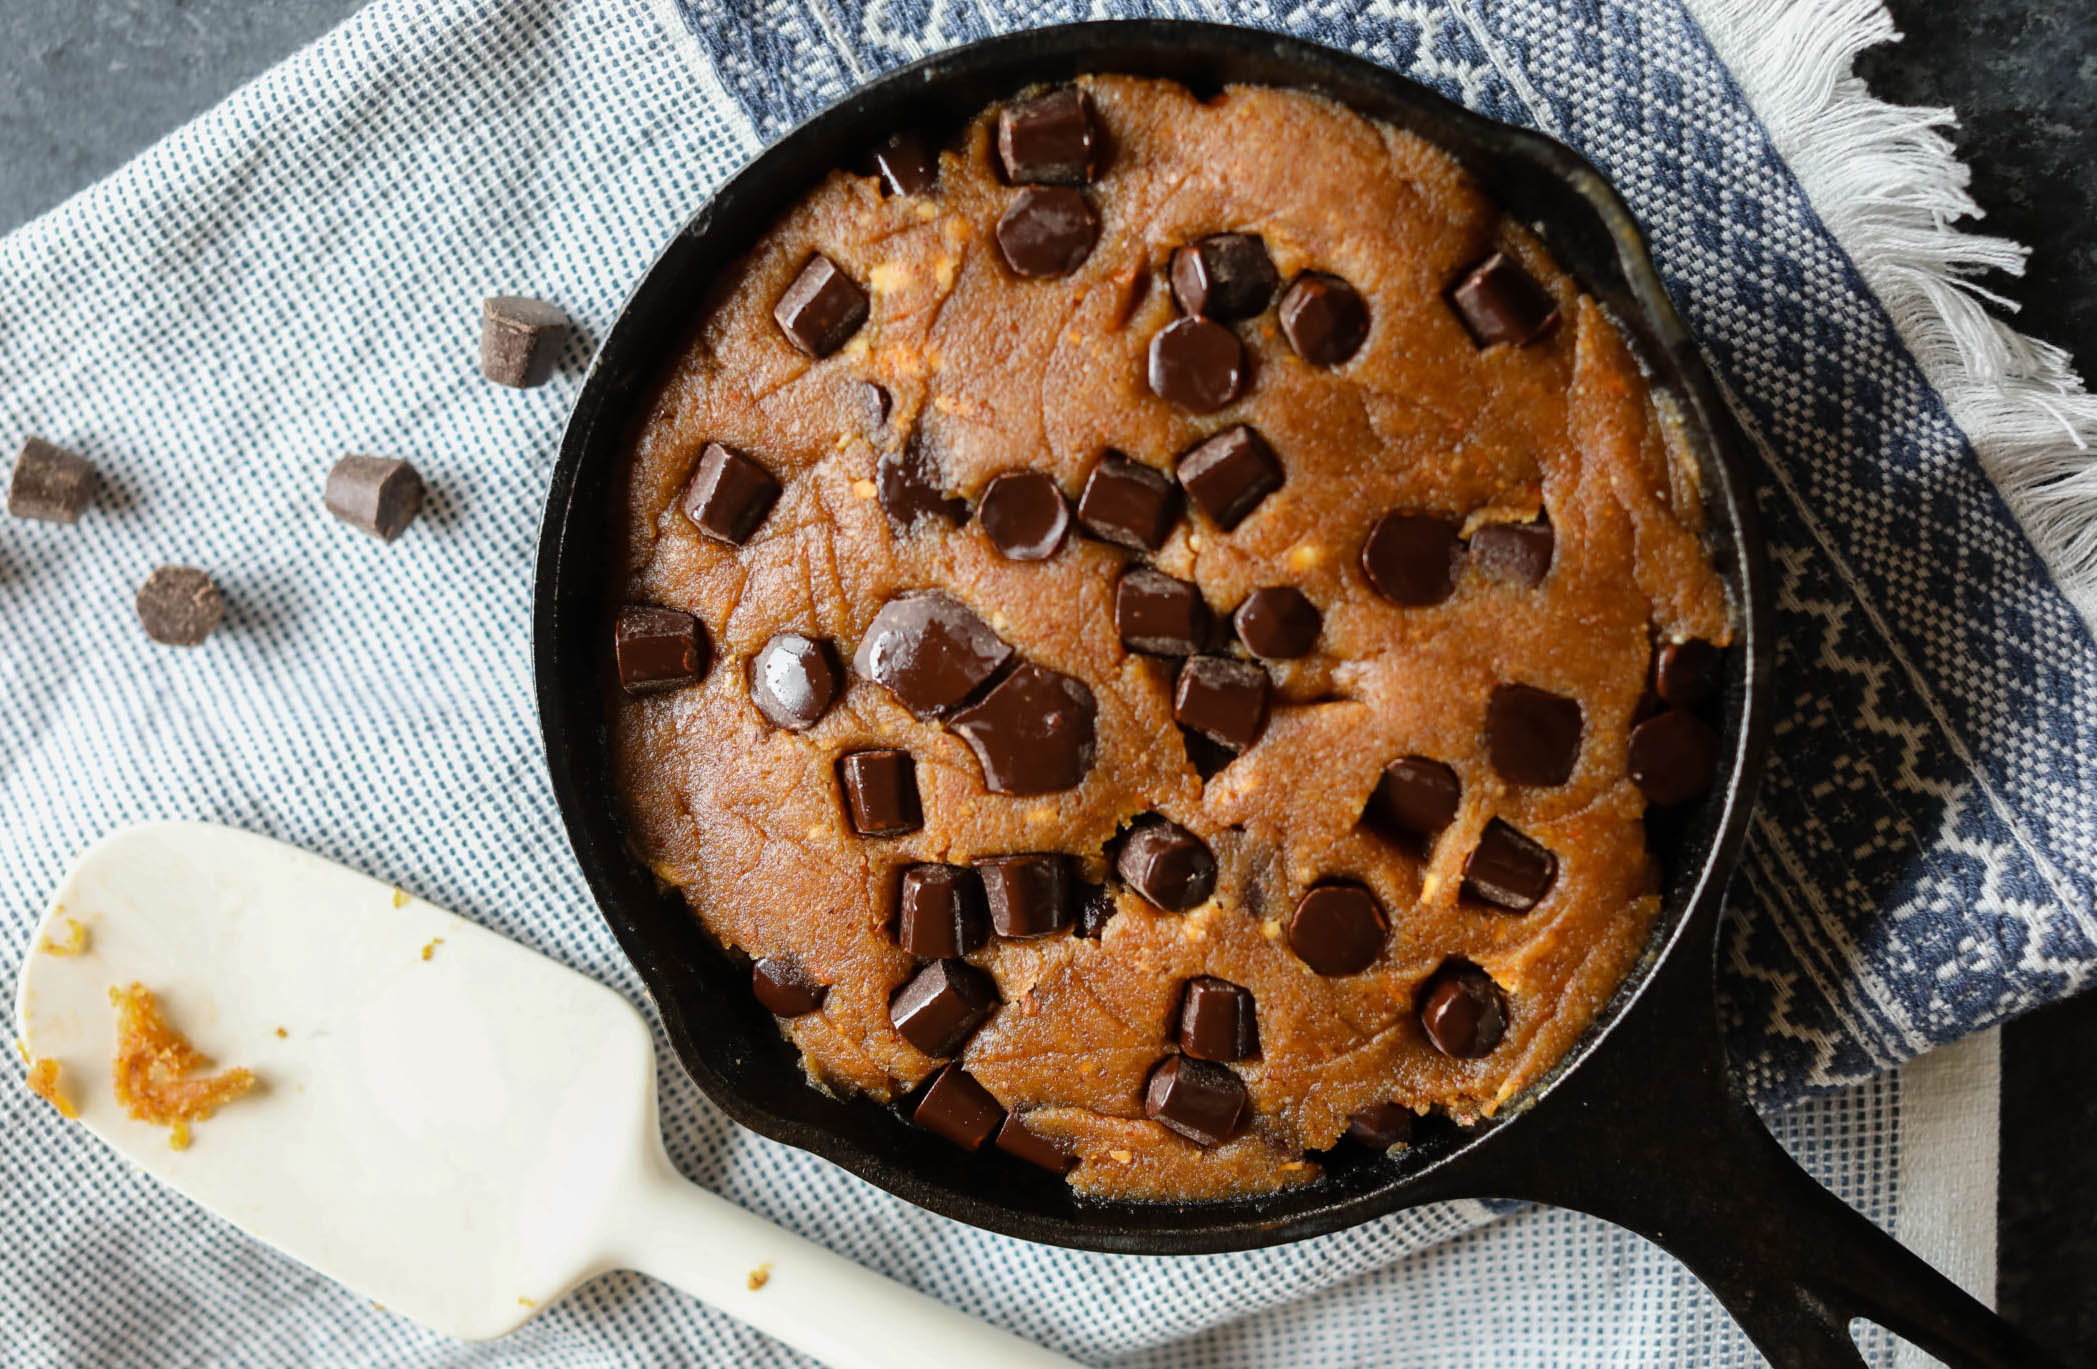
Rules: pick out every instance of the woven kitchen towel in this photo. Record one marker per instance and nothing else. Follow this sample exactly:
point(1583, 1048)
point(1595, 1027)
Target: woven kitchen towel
point(297, 274)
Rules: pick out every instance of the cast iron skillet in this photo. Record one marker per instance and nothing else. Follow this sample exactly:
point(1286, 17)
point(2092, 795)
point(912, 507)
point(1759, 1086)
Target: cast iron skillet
point(1640, 1124)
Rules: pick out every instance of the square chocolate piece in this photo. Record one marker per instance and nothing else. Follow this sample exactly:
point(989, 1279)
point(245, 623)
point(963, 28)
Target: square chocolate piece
point(521, 339)
point(822, 308)
point(729, 495)
point(881, 792)
point(50, 483)
point(1228, 475)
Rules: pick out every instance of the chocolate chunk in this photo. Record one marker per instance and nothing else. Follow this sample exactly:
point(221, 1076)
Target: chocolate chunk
point(877, 403)
point(521, 339)
point(50, 483)
point(910, 487)
point(1463, 1011)
point(1278, 623)
point(1128, 503)
point(1324, 318)
point(1049, 140)
point(1032, 733)
point(930, 651)
point(1685, 673)
point(1508, 870)
point(1380, 1126)
point(940, 912)
point(179, 606)
point(1498, 302)
point(793, 681)
point(822, 308)
point(1048, 230)
point(1025, 514)
point(1673, 756)
point(907, 167)
point(658, 649)
point(1197, 364)
point(378, 495)
point(1228, 475)
point(1225, 276)
point(1223, 699)
point(1016, 1138)
point(1414, 798)
point(1413, 558)
point(1095, 906)
point(1338, 929)
point(880, 790)
point(1029, 894)
point(1216, 1020)
point(958, 1108)
point(1158, 615)
point(1532, 734)
point(1517, 554)
point(785, 989)
point(729, 495)
point(1168, 865)
point(1202, 1101)
point(942, 1005)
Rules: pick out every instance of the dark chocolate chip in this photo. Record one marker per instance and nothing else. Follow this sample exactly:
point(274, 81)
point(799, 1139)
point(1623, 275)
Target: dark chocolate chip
point(958, 1108)
point(1414, 798)
point(1278, 623)
point(1223, 699)
point(1324, 319)
point(910, 487)
point(1413, 558)
point(907, 167)
point(1673, 756)
point(943, 1005)
point(794, 680)
point(1168, 865)
point(785, 989)
point(930, 651)
point(521, 339)
point(1685, 673)
point(880, 790)
point(729, 495)
point(1228, 475)
point(1338, 929)
point(1025, 514)
point(940, 912)
point(877, 403)
point(1463, 1011)
point(50, 483)
point(1095, 906)
point(1216, 1020)
point(822, 308)
point(1017, 1139)
point(179, 606)
point(1517, 554)
point(1197, 364)
point(1225, 276)
point(1499, 302)
point(1128, 503)
point(374, 493)
point(1049, 140)
point(1508, 870)
point(1028, 894)
point(1202, 1101)
point(658, 649)
point(1048, 230)
point(1032, 733)
point(1380, 1126)
point(1532, 734)
point(1158, 615)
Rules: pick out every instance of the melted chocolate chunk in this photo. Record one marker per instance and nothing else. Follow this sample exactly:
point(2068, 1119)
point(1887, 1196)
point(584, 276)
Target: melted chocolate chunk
point(658, 649)
point(1025, 515)
point(1324, 319)
point(1032, 733)
point(1463, 1011)
point(1049, 140)
point(1158, 615)
point(1228, 475)
point(940, 912)
point(943, 1005)
point(1414, 799)
point(50, 483)
point(1517, 554)
point(1499, 302)
point(1029, 894)
point(1674, 754)
point(785, 989)
point(1202, 1101)
point(880, 790)
point(1413, 558)
point(729, 495)
point(1685, 673)
point(822, 308)
point(1225, 276)
point(1197, 364)
point(1017, 1139)
point(958, 1108)
point(910, 487)
point(1532, 734)
point(1048, 230)
point(375, 494)
point(1508, 870)
point(1216, 1020)
point(1168, 865)
point(1095, 906)
point(907, 167)
point(794, 680)
point(930, 651)
point(1223, 699)
point(1278, 623)
point(1338, 929)
point(1128, 503)
point(1380, 1126)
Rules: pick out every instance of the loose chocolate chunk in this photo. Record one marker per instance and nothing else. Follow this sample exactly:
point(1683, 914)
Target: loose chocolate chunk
point(1032, 733)
point(930, 651)
point(1517, 554)
point(1380, 1126)
point(1225, 276)
point(1685, 673)
point(1338, 929)
point(1532, 734)
point(907, 166)
point(1158, 615)
point(1508, 870)
point(1498, 302)
point(179, 606)
point(1413, 558)
point(880, 790)
point(940, 912)
point(1048, 230)
point(50, 483)
point(1028, 894)
point(786, 989)
point(959, 1108)
point(1673, 756)
point(822, 308)
point(1049, 140)
point(729, 495)
point(658, 649)
point(1324, 319)
point(1197, 364)
point(794, 680)
point(1128, 503)
point(1414, 798)
point(378, 495)
point(1095, 906)
point(1168, 865)
point(1223, 699)
point(942, 1005)
point(1278, 623)
point(910, 487)
point(521, 339)
point(1463, 1011)
point(1228, 475)
point(1016, 1138)
point(1217, 1021)
point(1025, 514)
point(1202, 1101)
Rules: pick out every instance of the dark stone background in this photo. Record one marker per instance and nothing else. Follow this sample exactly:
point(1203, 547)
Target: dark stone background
point(86, 83)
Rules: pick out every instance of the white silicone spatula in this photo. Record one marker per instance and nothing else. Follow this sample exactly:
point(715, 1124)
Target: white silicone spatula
point(461, 1136)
